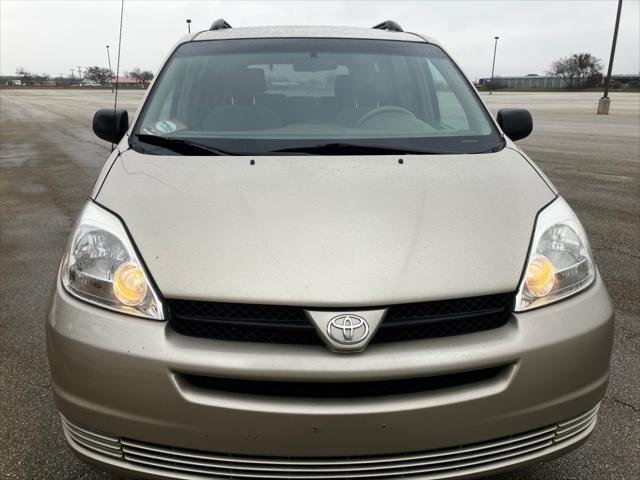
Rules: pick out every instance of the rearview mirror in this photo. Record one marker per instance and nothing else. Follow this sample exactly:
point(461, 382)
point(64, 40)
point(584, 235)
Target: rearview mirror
point(516, 123)
point(313, 64)
point(110, 124)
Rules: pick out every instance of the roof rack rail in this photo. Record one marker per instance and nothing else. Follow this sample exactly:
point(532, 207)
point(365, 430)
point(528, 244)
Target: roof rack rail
point(389, 25)
point(219, 24)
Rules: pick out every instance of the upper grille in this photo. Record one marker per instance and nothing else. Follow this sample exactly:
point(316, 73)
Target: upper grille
point(289, 325)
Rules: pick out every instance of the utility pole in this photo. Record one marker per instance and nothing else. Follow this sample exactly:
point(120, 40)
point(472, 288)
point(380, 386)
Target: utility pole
point(188, 25)
point(493, 66)
point(110, 73)
point(72, 73)
point(605, 102)
point(79, 72)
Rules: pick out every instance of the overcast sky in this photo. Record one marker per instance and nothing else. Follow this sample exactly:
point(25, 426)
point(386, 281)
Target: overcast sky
point(55, 36)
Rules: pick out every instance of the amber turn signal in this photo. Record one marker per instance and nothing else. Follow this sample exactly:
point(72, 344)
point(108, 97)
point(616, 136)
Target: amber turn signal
point(540, 277)
point(130, 284)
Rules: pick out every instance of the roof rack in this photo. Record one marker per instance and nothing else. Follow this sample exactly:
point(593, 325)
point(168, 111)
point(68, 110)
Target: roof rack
point(389, 25)
point(219, 24)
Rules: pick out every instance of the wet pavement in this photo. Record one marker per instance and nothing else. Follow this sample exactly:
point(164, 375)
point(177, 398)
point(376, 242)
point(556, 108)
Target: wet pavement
point(49, 159)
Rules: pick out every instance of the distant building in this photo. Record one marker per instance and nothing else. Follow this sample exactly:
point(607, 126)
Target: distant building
point(11, 81)
point(86, 82)
point(526, 82)
point(66, 81)
point(631, 80)
point(125, 81)
point(530, 81)
point(19, 81)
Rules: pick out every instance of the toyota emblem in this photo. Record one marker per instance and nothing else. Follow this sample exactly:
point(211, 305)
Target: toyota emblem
point(348, 329)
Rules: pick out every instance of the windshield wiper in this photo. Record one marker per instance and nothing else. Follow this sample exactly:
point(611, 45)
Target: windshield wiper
point(339, 148)
point(180, 145)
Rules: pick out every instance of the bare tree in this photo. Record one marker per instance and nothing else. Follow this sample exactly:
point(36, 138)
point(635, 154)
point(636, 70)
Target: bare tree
point(576, 67)
point(26, 76)
point(146, 76)
point(98, 74)
point(141, 76)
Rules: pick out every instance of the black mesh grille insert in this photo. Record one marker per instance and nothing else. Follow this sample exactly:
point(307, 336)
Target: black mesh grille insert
point(289, 325)
point(444, 318)
point(242, 322)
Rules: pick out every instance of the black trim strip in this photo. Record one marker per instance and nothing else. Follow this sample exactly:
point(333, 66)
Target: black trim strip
point(329, 390)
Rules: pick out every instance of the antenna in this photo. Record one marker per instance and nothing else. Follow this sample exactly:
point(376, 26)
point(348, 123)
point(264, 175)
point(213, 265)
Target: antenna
point(115, 101)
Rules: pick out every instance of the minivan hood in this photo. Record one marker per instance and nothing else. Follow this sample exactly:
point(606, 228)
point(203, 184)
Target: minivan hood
point(328, 231)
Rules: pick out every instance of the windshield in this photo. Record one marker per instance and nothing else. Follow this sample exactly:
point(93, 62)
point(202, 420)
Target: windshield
point(313, 96)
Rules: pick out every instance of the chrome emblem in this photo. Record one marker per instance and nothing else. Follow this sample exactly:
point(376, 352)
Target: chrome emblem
point(348, 329)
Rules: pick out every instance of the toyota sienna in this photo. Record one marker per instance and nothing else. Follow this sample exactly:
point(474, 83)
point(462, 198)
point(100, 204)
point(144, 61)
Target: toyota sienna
point(313, 254)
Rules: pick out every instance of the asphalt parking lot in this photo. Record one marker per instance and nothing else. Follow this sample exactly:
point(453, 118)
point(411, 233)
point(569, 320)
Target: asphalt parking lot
point(49, 159)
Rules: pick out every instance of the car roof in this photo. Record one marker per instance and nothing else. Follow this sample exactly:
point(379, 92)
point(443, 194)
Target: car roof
point(302, 31)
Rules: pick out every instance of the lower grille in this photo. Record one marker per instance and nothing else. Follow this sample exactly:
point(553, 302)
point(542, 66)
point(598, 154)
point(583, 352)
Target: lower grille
point(328, 390)
point(94, 441)
point(289, 325)
point(431, 464)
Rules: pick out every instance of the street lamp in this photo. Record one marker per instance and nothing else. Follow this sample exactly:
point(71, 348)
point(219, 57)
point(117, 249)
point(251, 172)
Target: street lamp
point(189, 25)
point(605, 101)
point(493, 66)
point(109, 60)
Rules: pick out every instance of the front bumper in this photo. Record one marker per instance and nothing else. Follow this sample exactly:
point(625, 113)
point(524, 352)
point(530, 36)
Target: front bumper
point(157, 461)
point(121, 376)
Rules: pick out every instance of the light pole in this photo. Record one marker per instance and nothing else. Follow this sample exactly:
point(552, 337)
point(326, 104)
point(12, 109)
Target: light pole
point(109, 60)
point(189, 25)
point(605, 101)
point(493, 66)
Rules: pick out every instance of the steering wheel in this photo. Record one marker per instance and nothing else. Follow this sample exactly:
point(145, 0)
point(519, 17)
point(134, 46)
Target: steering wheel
point(381, 110)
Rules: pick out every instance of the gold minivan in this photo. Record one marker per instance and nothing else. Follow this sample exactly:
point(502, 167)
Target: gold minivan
point(313, 254)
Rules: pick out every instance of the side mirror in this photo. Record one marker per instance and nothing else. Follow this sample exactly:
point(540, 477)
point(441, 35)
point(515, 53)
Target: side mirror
point(516, 123)
point(110, 124)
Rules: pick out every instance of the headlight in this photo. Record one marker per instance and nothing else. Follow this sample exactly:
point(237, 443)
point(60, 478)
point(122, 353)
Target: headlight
point(102, 267)
point(560, 263)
